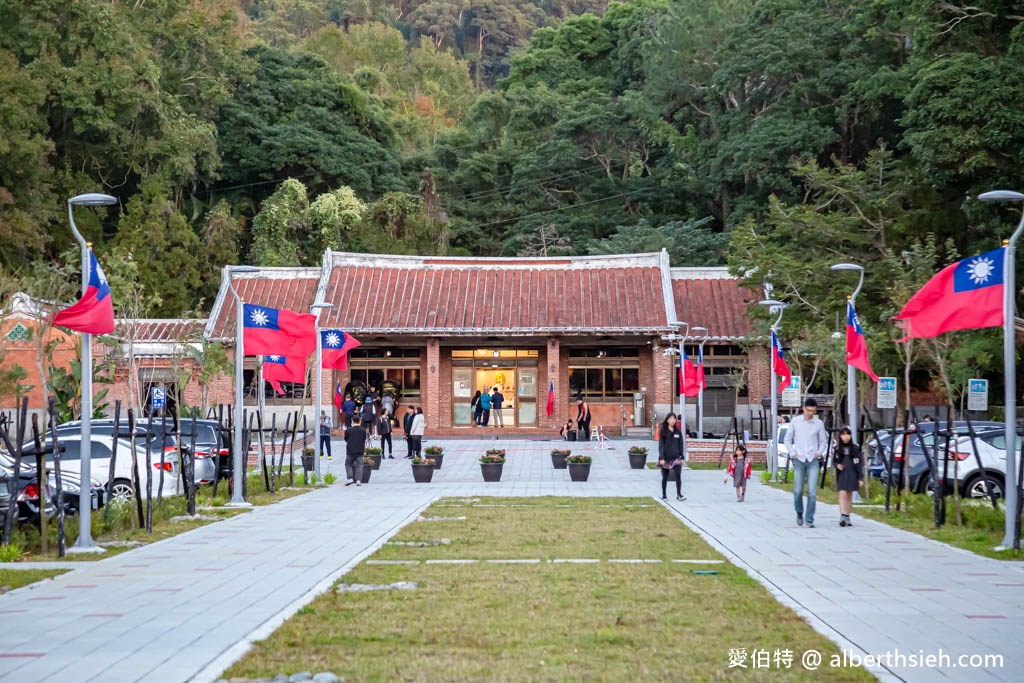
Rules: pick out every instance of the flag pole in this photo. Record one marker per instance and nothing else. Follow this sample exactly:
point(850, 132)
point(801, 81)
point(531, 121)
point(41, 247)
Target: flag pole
point(237, 462)
point(772, 451)
point(315, 309)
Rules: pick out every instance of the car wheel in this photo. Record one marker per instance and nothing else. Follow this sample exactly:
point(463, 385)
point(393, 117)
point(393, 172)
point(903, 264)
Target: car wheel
point(925, 485)
point(975, 486)
point(122, 490)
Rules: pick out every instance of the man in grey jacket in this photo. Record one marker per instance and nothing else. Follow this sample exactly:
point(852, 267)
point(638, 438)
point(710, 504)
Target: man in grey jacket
point(806, 442)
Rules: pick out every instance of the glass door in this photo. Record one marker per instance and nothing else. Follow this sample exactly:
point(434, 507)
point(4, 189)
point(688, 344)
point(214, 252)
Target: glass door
point(462, 395)
point(526, 396)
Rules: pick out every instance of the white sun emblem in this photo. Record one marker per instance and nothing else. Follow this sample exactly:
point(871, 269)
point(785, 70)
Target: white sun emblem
point(260, 317)
point(102, 276)
point(274, 359)
point(333, 339)
point(980, 270)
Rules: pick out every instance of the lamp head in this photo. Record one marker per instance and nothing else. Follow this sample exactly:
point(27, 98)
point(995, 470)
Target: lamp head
point(92, 199)
point(321, 307)
point(847, 266)
point(1001, 196)
point(241, 270)
point(773, 303)
point(698, 329)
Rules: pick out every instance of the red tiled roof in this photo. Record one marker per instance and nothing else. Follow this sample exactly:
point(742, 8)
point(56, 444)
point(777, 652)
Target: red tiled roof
point(146, 330)
point(709, 297)
point(290, 288)
point(401, 294)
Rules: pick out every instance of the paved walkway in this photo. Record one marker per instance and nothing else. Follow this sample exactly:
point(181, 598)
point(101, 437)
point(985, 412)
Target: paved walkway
point(185, 608)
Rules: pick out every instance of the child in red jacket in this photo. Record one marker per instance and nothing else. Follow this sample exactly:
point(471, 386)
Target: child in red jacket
point(739, 469)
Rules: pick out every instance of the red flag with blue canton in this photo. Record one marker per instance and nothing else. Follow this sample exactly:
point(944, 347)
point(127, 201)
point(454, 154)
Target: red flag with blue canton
point(337, 396)
point(277, 332)
point(779, 365)
point(966, 295)
point(551, 398)
point(856, 345)
point(277, 369)
point(335, 346)
point(690, 384)
point(94, 312)
point(701, 377)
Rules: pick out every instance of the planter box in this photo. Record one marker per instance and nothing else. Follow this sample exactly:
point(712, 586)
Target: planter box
point(307, 463)
point(422, 474)
point(376, 461)
point(438, 459)
point(579, 471)
point(367, 471)
point(637, 461)
point(491, 470)
point(558, 460)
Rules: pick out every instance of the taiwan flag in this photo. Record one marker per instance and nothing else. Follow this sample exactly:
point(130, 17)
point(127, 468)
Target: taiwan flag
point(337, 396)
point(94, 312)
point(335, 345)
point(277, 332)
point(856, 345)
point(779, 366)
point(277, 369)
point(689, 384)
point(551, 398)
point(966, 295)
point(701, 377)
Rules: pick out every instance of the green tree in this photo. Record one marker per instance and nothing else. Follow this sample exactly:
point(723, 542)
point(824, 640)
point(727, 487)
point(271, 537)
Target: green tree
point(275, 229)
point(332, 217)
point(219, 236)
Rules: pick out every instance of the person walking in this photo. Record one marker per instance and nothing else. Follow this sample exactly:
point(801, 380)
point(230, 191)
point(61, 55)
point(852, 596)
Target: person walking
point(348, 409)
point(849, 473)
point(485, 408)
point(477, 410)
point(671, 454)
point(387, 405)
point(410, 414)
point(497, 400)
point(325, 434)
point(419, 425)
point(355, 449)
point(583, 419)
point(368, 414)
point(739, 470)
point(806, 440)
point(384, 431)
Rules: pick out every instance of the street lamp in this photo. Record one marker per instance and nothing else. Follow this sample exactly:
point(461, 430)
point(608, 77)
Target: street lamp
point(773, 458)
point(700, 393)
point(237, 462)
point(851, 372)
point(315, 309)
point(1009, 366)
point(85, 544)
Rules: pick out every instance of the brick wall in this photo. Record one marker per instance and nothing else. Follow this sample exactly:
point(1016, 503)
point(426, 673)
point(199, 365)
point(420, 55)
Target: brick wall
point(705, 451)
point(759, 378)
point(23, 354)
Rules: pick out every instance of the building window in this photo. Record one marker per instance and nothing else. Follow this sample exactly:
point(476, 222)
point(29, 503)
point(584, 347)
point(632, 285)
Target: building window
point(405, 380)
point(19, 333)
point(604, 384)
point(293, 391)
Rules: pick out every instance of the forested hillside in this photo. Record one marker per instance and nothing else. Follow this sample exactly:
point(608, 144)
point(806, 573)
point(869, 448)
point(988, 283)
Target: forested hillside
point(778, 135)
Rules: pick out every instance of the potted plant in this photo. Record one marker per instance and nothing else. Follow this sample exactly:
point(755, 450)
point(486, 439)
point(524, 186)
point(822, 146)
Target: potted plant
point(374, 455)
point(490, 466)
point(579, 467)
point(422, 470)
point(637, 457)
point(496, 451)
point(368, 468)
point(435, 453)
point(558, 457)
point(307, 459)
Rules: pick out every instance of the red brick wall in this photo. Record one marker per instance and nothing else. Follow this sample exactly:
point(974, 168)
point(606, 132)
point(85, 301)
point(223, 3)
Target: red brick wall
point(443, 417)
point(664, 366)
point(24, 354)
point(759, 378)
point(431, 386)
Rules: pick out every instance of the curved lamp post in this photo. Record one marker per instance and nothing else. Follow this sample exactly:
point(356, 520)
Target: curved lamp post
point(779, 307)
point(1009, 366)
point(237, 457)
point(852, 412)
point(700, 393)
point(85, 544)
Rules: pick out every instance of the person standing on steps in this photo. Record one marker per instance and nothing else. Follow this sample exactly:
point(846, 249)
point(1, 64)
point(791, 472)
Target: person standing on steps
point(739, 469)
point(583, 419)
point(368, 414)
point(806, 440)
point(355, 449)
point(849, 474)
point(477, 410)
point(485, 407)
point(497, 399)
point(348, 409)
point(419, 425)
point(671, 453)
point(410, 414)
point(387, 405)
point(325, 434)
point(384, 431)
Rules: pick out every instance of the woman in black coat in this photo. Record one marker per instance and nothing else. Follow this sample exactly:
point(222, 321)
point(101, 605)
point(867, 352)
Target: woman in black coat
point(849, 473)
point(671, 453)
point(477, 410)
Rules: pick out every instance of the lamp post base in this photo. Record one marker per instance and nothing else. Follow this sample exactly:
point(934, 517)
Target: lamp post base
point(91, 550)
point(238, 504)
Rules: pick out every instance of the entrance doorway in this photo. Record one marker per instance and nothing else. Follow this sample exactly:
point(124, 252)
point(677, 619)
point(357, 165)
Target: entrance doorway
point(502, 379)
point(512, 371)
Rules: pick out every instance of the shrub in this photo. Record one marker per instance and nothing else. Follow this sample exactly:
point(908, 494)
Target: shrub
point(638, 449)
point(434, 450)
point(579, 459)
point(12, 552)
point(423, 461)
point(491, 458)
point(561, 451)
point(374, 451)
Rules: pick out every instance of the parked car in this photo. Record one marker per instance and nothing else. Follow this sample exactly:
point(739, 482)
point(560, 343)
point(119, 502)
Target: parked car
point(917, 461)
point(102, 452)
point(991, 446)
point(70, 485)
point(26, 496)
point(781, 451)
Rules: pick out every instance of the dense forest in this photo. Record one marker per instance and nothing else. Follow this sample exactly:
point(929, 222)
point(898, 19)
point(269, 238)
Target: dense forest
point(775, 136)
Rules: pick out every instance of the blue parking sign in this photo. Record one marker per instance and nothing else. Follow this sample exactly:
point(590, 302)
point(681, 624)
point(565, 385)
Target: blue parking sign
point(158, 398)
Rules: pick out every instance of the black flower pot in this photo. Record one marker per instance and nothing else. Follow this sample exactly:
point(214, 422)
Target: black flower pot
point(491, 470)
point(367, 471)
point(438, 459)
point(558, 460)
point(637, 461)
point(579, 471)
point(376, 461)
point(422, 474)
point(307, 463)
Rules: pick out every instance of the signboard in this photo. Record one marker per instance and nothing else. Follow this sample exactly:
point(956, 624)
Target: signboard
point(158, 398)
point(791, 394)
point(977, 395)
point(886, 392)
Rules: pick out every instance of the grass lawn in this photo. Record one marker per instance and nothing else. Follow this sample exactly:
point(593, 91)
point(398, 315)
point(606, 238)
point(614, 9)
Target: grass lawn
point(16, 578)
point(546, 621)
point(982, 530)
point(118, 523)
